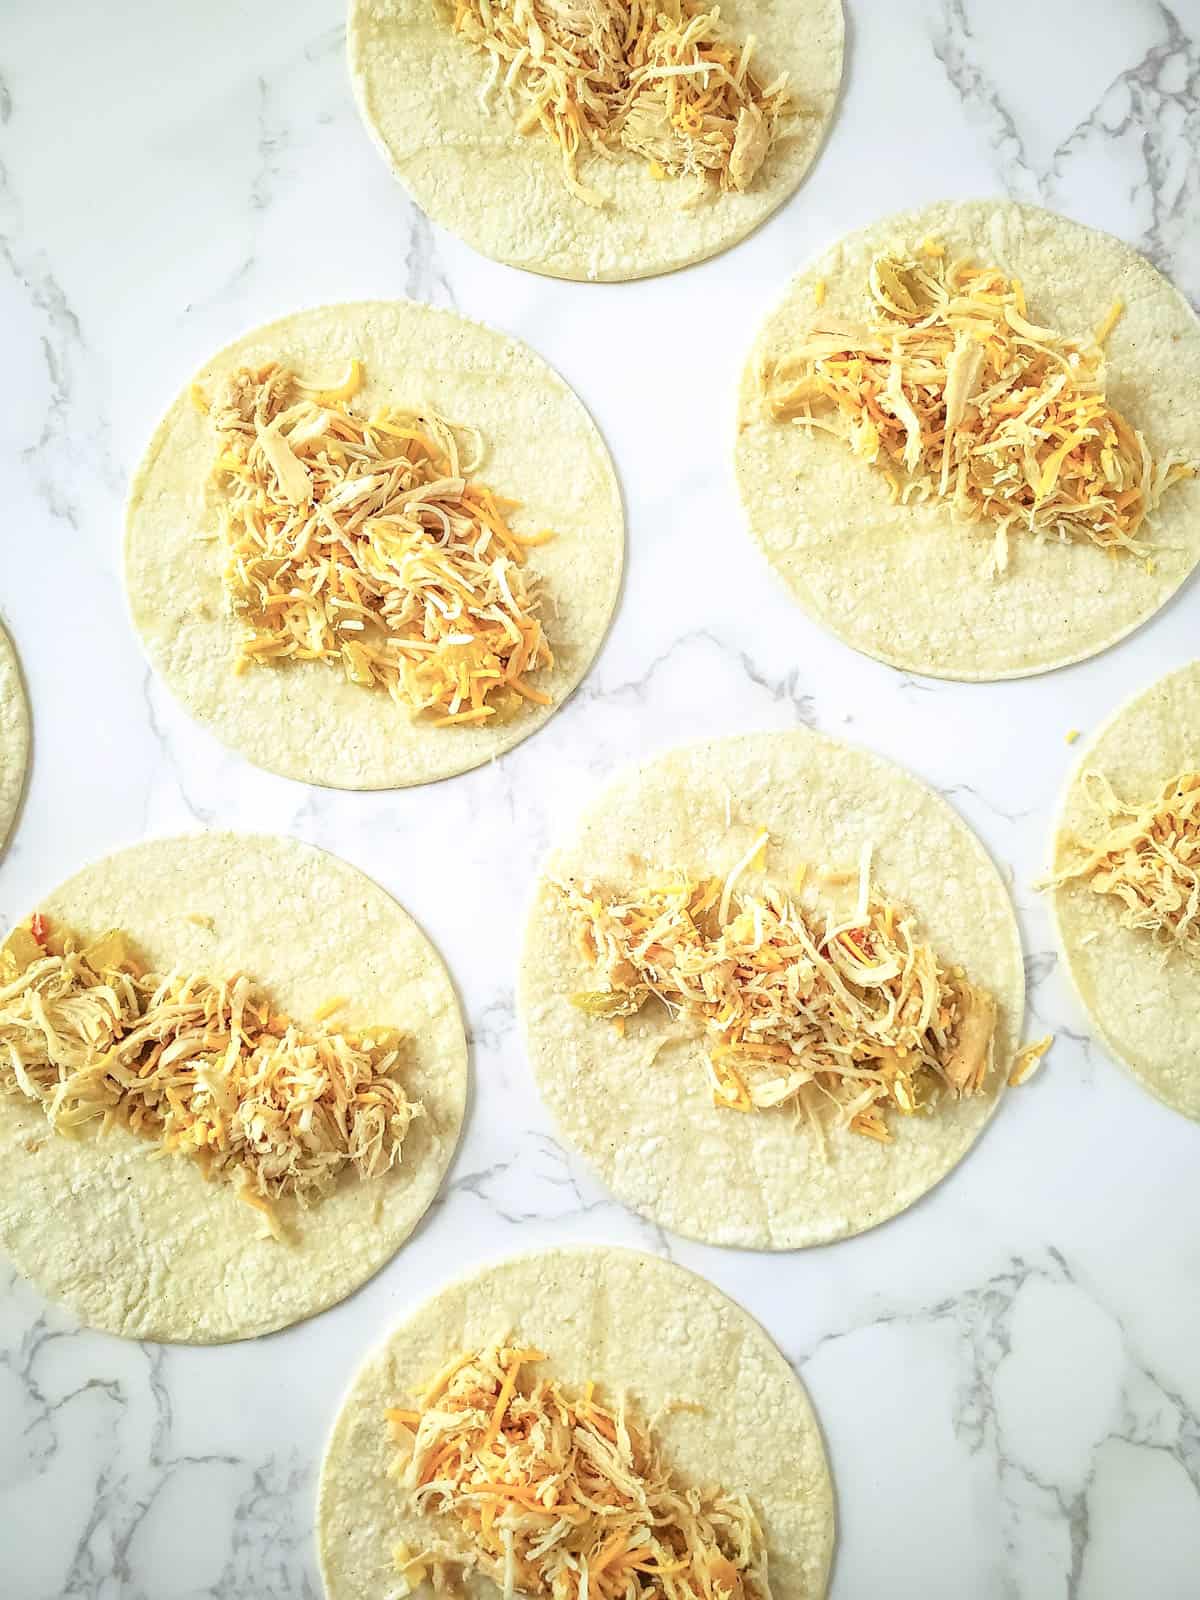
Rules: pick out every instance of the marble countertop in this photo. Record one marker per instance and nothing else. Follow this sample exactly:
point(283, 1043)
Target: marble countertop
point(1008, 1375)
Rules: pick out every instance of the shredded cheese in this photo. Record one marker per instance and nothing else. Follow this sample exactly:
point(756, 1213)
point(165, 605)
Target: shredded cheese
point(858, 1013)
point(413, 1569)
point(363, 542)
point(1027, 1061)
point(1110, 321)
point(953, 393)
point(557, 1495)
point(205, 1067)
point(662, 81)
point(1147, 859)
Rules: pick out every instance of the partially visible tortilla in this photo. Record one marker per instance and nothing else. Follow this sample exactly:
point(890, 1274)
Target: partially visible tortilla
point(146, 1248)
point(14, 736)
point(306, 720)
point(418, 87)
point(1143, 1000)
point(636, 1326)
point(909, 585)
point(759, 1180)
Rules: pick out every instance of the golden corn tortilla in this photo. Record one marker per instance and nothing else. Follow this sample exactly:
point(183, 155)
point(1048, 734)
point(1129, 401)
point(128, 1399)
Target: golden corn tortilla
point(635, 1325)
point(147, 1248)
point(305, 719)
point(1143, 1000)
point(759, 1180)
point(909, 585)
point(418, 86)
point(14, 736)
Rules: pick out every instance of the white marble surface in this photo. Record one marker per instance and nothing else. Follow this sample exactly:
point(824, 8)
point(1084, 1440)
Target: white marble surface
point(1009, 1375)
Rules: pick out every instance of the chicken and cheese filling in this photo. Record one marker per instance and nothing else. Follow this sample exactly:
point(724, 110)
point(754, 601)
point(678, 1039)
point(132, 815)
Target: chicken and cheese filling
point(1147, 860)
point(559, 1495)
point(205, 1067)
point(662, 81)
point(364, 542)
point(789, 1009)
point(953, 392)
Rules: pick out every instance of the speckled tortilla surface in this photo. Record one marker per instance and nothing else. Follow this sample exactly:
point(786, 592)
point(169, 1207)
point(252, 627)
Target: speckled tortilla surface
point(909, 585)
point(305, 719)
point(1143, 1000)
point(418, 87)
point(146, 1248)
point(632, 1324)
point(650, 1129)
point(14, 736)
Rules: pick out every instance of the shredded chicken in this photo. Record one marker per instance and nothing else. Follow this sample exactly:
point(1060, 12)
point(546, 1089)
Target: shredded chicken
point(662, 81)
point(1148, 859)
point(205, 1067)
point(564, 1497)
point(953, 392)
point(859, 1010)
point(364, 542)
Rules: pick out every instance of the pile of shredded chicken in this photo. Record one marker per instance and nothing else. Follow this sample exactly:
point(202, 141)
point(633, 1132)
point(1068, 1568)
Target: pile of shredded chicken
point(1148, 859)
point(364, 542)
point(204, 1067)
point(564, 1497)
point(954, 392)
point(660, 80)
point(860, 1010)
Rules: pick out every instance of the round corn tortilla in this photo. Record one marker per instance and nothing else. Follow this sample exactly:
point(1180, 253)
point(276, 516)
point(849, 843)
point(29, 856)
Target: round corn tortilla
point(147, 1248)
point(907, 584)
point(1142, 1000)
point(305, 719)
point(14, 736)
point(418, 86)
point(635, 1325)
point(650, 1128)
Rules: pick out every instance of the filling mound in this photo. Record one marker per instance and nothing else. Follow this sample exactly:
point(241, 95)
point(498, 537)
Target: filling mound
point(953, 392)
point(662, 81)
point(364, 542)
point(1147, 859)
point(789, 1008)
point(204, 1067)
point(560, 1496)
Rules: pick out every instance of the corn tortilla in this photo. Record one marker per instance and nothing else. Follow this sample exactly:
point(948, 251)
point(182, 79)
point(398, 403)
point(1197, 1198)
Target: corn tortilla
point(907, 584)
point(759, 1180)
point(418, 85)
point(147, 1248)
point(1143, 1001)
point(634, 1324)
point(14, 736)
point(305, 719)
